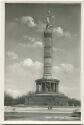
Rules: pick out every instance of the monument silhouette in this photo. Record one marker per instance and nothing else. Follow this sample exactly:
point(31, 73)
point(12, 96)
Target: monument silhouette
point(47, 88)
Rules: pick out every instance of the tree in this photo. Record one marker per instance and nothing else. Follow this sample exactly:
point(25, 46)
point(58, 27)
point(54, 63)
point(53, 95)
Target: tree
point(8, 99)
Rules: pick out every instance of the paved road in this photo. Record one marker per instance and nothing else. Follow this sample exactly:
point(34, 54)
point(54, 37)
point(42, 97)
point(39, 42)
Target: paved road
point(39, 116)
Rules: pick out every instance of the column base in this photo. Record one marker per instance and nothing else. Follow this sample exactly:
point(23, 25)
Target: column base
point(48, 99)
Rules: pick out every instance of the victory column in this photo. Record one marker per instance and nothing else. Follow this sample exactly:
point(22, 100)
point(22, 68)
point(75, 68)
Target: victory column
point(47, 88)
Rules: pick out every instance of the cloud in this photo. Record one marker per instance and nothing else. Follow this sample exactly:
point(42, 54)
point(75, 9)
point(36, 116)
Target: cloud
point(28, 20)
point(30, 45)
point(12, 55)
point(20, 77)
point(38, 44)
point(61, 32)
point(31, 42)
point(14, 93)
point(27, 62)
point(29, 39)
point(30, 63)
point(69, 79)
point(68, 68)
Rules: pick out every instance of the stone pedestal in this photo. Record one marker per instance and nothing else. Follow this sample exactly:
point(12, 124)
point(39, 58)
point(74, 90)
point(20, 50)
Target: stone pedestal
point(44, 99)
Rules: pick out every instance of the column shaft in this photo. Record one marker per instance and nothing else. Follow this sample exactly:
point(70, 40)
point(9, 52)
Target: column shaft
point(37, 87)
point(55, 87)
point(41, 86)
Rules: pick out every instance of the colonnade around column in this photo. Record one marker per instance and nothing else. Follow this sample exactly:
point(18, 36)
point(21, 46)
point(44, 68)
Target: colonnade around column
point(46, 87)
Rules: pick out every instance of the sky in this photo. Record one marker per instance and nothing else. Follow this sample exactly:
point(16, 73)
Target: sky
point(24, 27)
